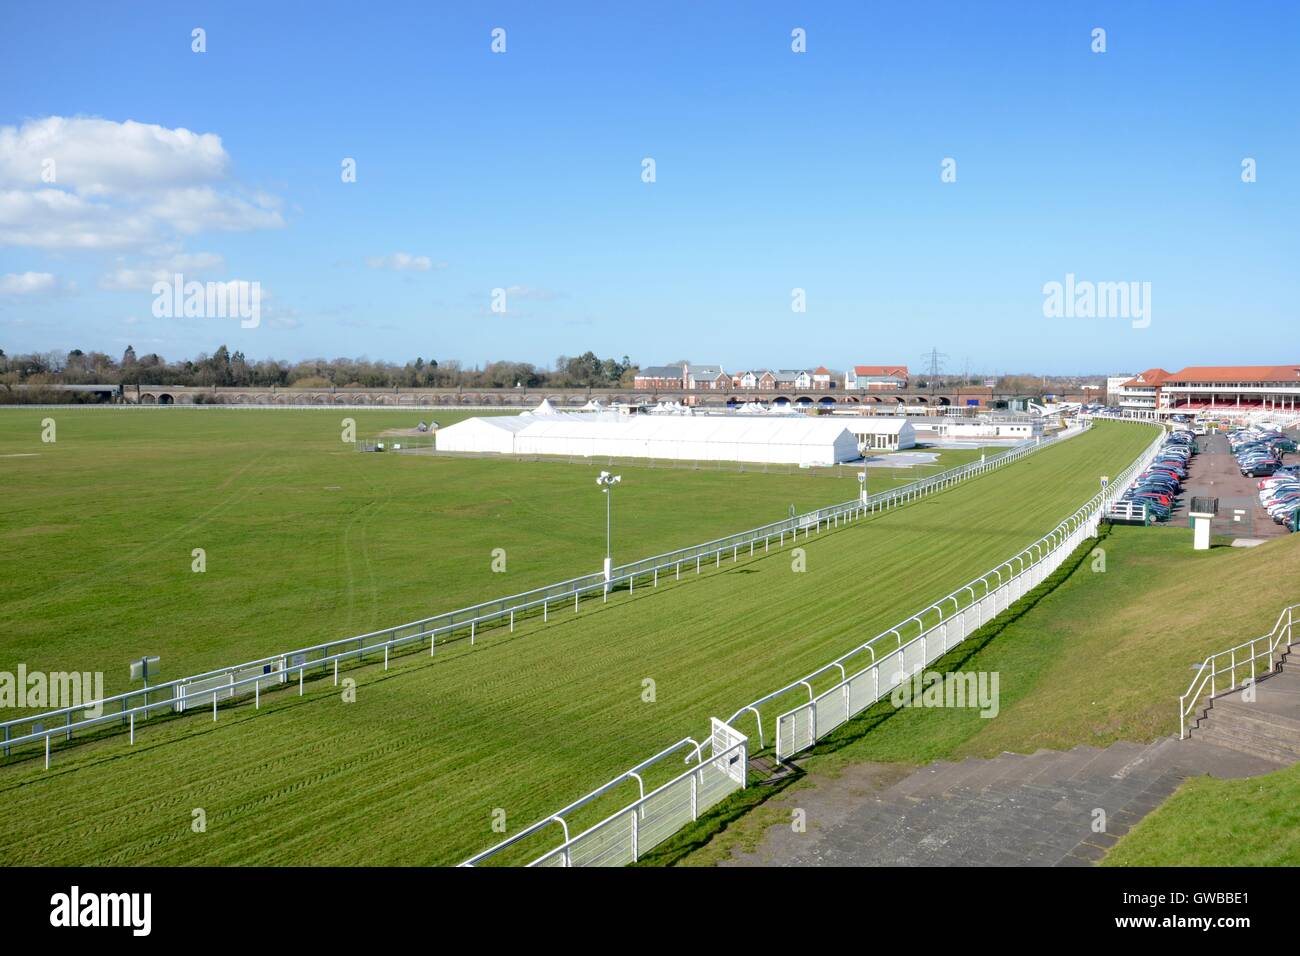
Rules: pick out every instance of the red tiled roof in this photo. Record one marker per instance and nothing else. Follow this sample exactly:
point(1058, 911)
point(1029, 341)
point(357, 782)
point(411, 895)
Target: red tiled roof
point(899, 371)
point(1152, 376)
point(1237, 373)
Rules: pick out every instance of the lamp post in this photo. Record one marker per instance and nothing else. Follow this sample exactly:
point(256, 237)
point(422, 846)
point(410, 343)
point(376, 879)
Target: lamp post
point(606, 481)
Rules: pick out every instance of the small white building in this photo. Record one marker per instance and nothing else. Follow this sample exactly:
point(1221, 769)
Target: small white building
point(877, 434)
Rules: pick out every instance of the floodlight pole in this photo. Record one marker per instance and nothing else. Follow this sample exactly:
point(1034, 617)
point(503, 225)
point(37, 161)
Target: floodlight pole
point(608, 524)
point(606, 481)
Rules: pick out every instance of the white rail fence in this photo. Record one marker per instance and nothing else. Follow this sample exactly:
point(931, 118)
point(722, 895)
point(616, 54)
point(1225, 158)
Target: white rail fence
point(870, 671)
point(939, 628)
point(249, 679)
point(1219, 673)
point(625, 835)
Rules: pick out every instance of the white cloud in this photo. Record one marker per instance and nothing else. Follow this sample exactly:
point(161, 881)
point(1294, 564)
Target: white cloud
point(85, 183)
point(27, 283)
point(141, 278)
point(404, 262)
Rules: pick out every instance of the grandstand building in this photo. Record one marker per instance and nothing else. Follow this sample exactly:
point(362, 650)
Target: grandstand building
point(1229, 389)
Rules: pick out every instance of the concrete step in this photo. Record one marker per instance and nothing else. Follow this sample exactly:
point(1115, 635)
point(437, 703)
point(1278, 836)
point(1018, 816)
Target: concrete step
point(1071, 763)
point(1261, 719)
point(1246, 743)
point(1111, 760)
point(1195, 756)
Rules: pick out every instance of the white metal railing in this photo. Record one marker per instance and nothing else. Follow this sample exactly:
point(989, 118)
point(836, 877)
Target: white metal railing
point(851, 695)
point(249, 678)
point(871, 670)
point(1209, 680)
point(632, 830)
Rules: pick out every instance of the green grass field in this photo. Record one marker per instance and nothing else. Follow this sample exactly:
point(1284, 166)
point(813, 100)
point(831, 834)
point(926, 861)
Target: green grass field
point(1208, 822)
point(412, 771)
point(305, 539)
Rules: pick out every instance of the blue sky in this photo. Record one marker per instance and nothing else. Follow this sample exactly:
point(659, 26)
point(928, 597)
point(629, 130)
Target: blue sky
point(775, 171)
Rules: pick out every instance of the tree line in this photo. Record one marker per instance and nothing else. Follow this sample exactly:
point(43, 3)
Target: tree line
point(224, 368)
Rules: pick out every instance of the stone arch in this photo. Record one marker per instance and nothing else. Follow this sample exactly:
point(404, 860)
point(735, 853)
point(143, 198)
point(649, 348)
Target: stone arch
point(166, 398)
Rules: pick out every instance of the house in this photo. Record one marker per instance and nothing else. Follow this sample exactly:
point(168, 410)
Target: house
point(755, 380)
point(660, 377)
point(793, 378)
point(823, 379)
point(704, 377)
point(876, 377)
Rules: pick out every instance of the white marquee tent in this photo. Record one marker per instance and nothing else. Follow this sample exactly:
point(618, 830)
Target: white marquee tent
point(794, 440)
point(495, 433)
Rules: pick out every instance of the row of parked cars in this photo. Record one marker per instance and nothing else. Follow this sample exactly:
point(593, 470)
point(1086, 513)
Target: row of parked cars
point(1279, 495)
point(1259, 451)
point(1159, 485)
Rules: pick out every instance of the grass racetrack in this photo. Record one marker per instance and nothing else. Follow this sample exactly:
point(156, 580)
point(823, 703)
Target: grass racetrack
point(413, 770)
point(305, 539)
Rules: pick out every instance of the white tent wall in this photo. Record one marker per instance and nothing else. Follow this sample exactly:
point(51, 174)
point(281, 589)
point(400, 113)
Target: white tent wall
point(803, 441)
point(484, 434)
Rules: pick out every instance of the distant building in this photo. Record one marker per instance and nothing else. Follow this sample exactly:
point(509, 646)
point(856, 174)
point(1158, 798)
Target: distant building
point(823, 379)
point(1113, 384)
point(703, 377)
point(660, 376)
point(1242, 388)
point(1141, 393)
point(876, 377)
point(793, 378)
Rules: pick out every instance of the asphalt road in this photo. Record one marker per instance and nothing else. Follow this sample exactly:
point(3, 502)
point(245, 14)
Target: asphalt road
point(1214, 472)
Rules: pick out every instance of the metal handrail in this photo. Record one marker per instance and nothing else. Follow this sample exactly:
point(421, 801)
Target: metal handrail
point(1209, 670)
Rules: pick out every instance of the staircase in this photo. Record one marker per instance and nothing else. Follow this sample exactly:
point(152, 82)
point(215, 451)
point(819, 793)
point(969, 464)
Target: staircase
point(1035, 810)
point(1267, 727)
